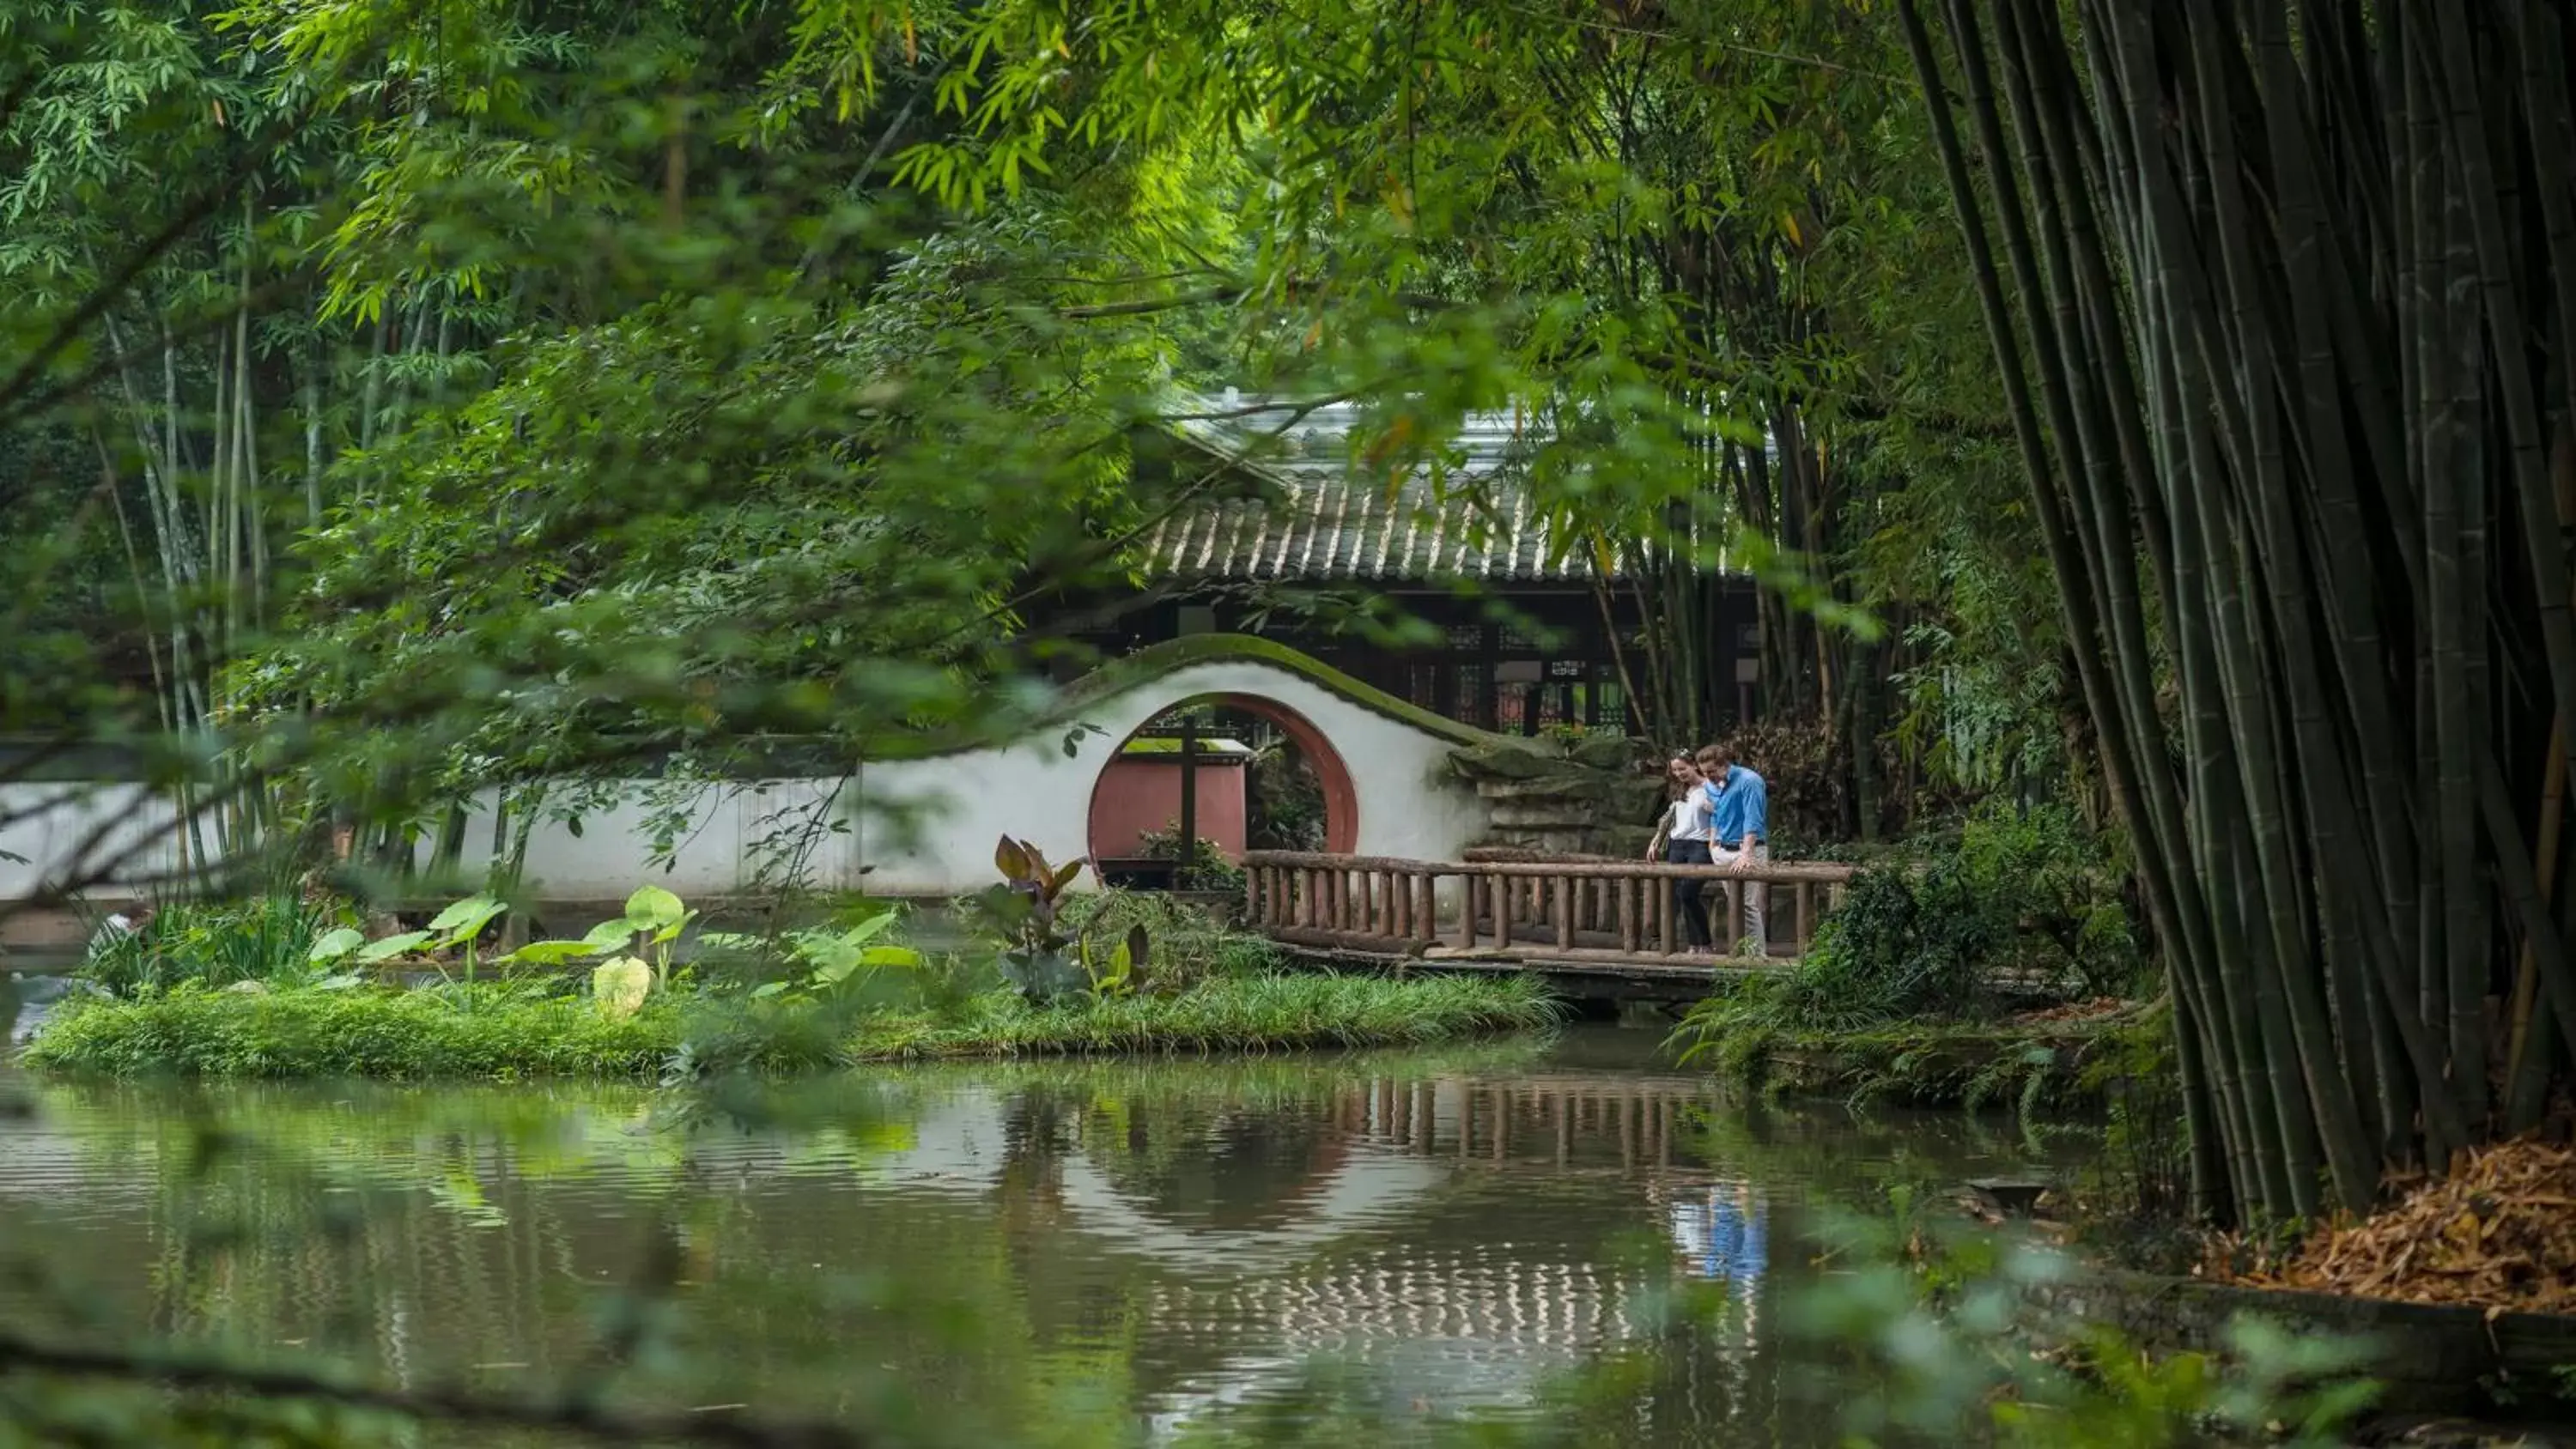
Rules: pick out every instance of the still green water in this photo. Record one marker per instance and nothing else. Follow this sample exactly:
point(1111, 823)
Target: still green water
point(1035, 1254)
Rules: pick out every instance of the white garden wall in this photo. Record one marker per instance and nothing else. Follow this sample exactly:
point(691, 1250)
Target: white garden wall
point(921, 827)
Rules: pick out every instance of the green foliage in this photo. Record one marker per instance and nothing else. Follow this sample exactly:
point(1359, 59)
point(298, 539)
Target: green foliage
point(1939, 1325)
point(2024, 891)
point(827, 958)
point(485, 1032)
point(1222, 1014)
point(1189, 943)
point(1287, 804)
point(2143, 1174)
point(1895, 948)
point(2033, 1069)
point(1208, 871)
point(1037, 955)
point(509, 1032)
point(272, 939)
point(2064, 884)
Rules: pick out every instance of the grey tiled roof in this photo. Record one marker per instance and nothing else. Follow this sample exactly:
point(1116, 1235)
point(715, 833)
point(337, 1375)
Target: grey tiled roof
point(1326, 521)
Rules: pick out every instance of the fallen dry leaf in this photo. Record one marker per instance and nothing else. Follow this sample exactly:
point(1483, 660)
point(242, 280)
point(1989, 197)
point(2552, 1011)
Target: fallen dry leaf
point(2496, 1233)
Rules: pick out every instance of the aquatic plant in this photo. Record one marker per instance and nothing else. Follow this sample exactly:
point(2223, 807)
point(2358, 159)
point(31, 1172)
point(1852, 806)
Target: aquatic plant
point(1044, 962)
point(271, 939)
point(826, 958)
point(532, 1029)
point(1225, 1014)
point(486, 1031)
point(1189, 942)
point(1023, 910)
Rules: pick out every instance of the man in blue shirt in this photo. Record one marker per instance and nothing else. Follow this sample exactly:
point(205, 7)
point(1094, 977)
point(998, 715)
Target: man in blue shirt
point(1739, 832)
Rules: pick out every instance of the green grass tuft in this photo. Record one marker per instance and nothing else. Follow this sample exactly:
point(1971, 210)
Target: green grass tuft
point(1254, 1013)
point(367, 1032)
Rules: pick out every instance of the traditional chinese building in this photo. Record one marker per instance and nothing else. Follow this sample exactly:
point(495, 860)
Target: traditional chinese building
point(1522, 628)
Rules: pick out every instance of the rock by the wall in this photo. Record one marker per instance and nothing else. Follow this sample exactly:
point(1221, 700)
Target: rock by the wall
point(1597, 797)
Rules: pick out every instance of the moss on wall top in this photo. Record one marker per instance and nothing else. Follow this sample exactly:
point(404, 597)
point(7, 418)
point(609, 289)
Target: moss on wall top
point(787, 756)
point(1156, 661)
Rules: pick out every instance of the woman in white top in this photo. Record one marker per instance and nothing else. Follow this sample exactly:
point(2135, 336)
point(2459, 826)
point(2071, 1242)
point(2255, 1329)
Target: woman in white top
point(1682, 839)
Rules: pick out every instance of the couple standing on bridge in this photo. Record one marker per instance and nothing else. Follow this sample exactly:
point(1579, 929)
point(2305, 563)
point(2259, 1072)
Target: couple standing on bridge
point(1719, 814)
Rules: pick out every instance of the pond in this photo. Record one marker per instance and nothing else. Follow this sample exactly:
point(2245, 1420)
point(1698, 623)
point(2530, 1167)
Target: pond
point(1059, 1253)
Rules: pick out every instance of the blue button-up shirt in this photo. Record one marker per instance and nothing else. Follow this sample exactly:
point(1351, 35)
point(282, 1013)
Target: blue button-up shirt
point(1739, 806)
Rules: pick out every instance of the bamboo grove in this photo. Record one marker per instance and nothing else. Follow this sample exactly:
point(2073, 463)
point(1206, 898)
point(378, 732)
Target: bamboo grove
point(2285, 302)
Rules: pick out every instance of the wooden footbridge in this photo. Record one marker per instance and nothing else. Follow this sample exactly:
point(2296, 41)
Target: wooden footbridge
point(1611, 922)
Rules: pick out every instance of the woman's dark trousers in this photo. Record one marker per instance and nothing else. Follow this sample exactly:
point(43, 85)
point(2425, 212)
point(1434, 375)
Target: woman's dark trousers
point(1690, 906)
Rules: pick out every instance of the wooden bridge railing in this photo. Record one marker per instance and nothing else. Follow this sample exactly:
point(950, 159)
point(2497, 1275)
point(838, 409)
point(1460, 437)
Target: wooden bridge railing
point(1572, 910)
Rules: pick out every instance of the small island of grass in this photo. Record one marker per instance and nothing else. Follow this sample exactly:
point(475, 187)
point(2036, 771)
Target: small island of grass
point(529, 1030)
point(1135, 973)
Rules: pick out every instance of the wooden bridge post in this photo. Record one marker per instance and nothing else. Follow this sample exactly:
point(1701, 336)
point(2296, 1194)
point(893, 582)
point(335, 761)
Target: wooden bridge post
point(1564, 912)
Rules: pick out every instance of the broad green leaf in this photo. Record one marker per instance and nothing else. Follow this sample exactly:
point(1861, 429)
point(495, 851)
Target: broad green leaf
point(621, 986)
point(868, 930)
point(334, 944)
point(767, 989)
point(671, 932)
point(392, 946)
point(1064, 877)
point(608, 935)
point(554, 953)
point(652, 907)
point(467, 918)
point(890, 956)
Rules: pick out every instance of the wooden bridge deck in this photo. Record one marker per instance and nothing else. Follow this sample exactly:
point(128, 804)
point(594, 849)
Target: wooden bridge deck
point(1609, 921)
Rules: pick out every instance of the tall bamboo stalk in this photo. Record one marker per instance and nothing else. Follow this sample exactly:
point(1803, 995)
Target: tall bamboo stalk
point(2364, 604)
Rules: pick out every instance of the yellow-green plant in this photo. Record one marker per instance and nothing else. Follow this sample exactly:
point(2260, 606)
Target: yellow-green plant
point(652, 922)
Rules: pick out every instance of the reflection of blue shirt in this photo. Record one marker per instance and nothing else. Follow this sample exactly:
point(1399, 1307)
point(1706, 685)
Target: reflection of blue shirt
point(1739, 806)
point(1733, 1242)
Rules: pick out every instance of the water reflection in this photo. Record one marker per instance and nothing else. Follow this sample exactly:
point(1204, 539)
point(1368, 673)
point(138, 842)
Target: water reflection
point(1061, 1253)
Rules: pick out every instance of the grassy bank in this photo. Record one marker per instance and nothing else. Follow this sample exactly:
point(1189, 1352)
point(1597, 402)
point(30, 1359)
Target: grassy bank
point(1920, 1064)
point(398, 1035)
point(1254, 1013)
point(508, 1034)
point(2076, 1056)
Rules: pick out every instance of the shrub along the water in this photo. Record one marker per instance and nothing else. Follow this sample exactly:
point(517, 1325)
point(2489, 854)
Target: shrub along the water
point(1224, 1014)
point(522, 1031)
point(265, 938)
point(488, 1032)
